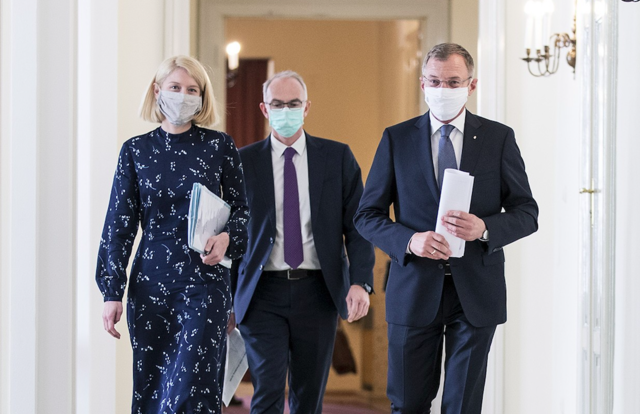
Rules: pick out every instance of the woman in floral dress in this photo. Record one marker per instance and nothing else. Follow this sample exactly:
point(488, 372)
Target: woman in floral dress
point(178, 301)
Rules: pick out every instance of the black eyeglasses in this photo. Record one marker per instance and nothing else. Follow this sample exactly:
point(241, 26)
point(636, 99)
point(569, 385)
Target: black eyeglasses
point(436, 83)
point(277, 105)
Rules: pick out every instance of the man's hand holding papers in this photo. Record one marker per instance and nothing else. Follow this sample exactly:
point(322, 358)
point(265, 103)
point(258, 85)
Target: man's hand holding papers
point(463, 225)
point(431, 245)
point(455, 197)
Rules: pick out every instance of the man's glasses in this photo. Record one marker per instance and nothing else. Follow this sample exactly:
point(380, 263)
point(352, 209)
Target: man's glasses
point(277, 105)
point(437, 83)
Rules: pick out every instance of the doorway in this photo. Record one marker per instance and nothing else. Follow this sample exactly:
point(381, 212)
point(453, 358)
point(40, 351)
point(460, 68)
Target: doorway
point(353, 100)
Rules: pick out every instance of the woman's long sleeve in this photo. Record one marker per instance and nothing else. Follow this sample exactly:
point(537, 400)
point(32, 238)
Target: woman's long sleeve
point(120, 228)
point(234, 193)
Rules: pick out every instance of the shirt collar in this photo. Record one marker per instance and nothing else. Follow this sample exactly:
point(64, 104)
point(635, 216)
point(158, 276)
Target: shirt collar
point(278, 147)
point(458, 122)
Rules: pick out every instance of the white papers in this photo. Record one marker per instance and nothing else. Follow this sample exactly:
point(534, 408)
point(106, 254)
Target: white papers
point(457, 187)
point(208, 214)
point(235, 367)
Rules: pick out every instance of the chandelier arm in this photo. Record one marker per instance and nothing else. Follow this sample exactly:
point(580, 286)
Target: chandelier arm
point(529, 67)
point(552, 58)
point(556, 63)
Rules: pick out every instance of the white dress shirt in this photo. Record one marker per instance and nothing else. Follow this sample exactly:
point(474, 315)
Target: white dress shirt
point(276, 259)
point(456, 136)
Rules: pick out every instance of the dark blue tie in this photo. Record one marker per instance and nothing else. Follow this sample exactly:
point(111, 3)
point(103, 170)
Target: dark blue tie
point(293, 253)
point(446, 154)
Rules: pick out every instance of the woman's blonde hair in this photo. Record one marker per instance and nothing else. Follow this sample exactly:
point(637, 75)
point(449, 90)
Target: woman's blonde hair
point(207, 116)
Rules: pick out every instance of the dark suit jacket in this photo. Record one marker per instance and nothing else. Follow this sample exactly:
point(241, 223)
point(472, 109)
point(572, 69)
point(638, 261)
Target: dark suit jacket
point(335, 188)
point(402, 174)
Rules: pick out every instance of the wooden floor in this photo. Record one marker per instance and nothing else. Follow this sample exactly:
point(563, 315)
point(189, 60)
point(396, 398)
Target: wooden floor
point(334, 403)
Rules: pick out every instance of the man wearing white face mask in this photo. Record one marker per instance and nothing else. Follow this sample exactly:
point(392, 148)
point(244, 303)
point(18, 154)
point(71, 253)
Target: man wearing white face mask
point(435, 301)
point(295, 278)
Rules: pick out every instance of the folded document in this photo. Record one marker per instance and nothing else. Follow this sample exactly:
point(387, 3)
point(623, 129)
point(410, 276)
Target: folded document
point(208, 215)
point(457, 187)
point(235, 366)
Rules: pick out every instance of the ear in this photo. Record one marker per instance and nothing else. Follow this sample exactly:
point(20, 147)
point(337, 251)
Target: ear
point(263, 108)
point(306, 108)
point(156, 90)
point(472, 86)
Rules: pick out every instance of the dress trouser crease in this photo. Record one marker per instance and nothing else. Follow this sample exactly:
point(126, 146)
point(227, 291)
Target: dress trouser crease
point(415, 360)
point(290, 327)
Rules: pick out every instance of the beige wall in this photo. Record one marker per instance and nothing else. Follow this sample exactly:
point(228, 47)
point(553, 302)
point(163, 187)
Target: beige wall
point(464, 31)
point(345, 65)
point(361, 77)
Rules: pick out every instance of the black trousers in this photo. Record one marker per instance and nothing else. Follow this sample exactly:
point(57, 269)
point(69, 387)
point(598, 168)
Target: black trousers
point(415, 360)
point(290, 327)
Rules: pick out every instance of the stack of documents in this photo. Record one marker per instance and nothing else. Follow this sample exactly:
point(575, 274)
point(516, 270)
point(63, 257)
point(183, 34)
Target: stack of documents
point(457, 187)
point(208, 215)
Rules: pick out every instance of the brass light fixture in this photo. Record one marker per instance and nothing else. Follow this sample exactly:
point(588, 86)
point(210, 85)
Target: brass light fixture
point(547, 60)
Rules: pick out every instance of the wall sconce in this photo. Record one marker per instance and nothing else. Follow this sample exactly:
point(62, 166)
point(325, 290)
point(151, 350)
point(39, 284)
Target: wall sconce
point(537, 28)
point(233, 61)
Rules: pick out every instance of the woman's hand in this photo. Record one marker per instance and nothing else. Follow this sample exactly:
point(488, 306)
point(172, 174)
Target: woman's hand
point(215, 249)
point(110, 316)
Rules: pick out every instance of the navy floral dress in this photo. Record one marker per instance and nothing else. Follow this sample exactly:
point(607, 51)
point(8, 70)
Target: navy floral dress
point(177, 307)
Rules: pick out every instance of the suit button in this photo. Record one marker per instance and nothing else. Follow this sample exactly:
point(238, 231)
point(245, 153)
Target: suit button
point(271, 240)
point(260, 267)
point(440, 266)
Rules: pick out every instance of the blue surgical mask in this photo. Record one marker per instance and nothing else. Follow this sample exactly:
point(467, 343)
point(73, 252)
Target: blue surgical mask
point(286, 121)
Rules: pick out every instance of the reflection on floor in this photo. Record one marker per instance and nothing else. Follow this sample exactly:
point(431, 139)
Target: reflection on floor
point(334, 403)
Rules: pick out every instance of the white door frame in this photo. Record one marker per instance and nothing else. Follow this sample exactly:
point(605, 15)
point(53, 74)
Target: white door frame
point(597, 65)
point(491, 104)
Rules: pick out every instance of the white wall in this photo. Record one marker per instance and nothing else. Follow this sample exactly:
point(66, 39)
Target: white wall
point(627, 285)
point(96, 122)
point(541, 336)
point(57, 110)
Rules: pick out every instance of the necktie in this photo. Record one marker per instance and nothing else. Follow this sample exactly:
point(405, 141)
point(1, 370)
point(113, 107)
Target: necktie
point(293, 254)
point(446, 155)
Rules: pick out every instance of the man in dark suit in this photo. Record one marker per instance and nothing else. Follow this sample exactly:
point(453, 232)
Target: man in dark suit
point(305, 262)
point(434, 300)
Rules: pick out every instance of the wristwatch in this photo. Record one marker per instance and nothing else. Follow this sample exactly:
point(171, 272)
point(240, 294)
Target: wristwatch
point(367, 288)
point(485, 236)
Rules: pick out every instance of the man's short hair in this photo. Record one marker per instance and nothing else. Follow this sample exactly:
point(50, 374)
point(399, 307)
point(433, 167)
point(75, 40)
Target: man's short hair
point(284, 74)
point(444, 50)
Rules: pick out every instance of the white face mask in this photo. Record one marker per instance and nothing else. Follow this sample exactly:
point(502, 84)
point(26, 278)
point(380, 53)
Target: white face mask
point(178, 108)
point(446, 103)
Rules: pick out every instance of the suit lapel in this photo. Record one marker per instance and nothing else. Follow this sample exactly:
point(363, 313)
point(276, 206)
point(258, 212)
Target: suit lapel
point(421, 137)
point(263, 169)
point(473, 140)
point(316, 159)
